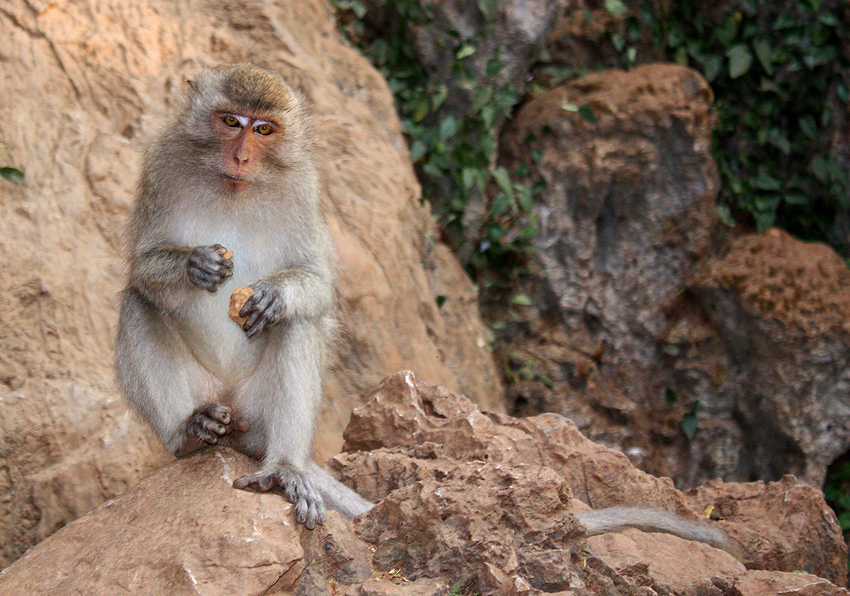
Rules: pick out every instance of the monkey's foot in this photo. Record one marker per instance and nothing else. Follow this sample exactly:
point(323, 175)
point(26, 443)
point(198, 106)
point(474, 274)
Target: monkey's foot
point(207, 425)
point(295, 486)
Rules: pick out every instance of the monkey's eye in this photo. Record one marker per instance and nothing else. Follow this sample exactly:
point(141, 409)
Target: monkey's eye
point(231, 120)
point(264, 129)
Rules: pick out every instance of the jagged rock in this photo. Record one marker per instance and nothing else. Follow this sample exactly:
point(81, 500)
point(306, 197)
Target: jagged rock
point(447, 520)
point(782, 526)
point(107, 76)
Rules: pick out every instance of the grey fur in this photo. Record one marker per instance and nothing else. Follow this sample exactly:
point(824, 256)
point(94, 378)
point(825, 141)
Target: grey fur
point(614, 519)
point(177, 351)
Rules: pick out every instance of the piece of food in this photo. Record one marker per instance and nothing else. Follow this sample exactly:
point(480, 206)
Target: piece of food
point(237, 300)
point(228, 254)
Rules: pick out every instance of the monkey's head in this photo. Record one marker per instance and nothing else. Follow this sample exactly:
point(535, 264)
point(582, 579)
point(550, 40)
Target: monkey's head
point(247, 122)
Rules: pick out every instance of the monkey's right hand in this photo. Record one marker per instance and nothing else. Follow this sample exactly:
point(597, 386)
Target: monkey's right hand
point(208, 266)
point(206, 425)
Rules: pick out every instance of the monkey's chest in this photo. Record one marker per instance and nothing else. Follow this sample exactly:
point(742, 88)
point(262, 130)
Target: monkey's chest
point(217, 342)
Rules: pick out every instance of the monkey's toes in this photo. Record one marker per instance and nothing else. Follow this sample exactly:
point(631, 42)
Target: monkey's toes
point(259, 482)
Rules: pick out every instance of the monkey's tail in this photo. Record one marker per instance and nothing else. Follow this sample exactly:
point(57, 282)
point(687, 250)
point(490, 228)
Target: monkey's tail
point(336, 495)
point(614, 519)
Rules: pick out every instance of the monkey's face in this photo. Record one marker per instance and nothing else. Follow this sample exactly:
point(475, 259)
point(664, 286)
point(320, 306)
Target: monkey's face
point(247, 143)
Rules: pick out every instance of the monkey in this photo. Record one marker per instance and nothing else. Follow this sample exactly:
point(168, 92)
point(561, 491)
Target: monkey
point(228, 196)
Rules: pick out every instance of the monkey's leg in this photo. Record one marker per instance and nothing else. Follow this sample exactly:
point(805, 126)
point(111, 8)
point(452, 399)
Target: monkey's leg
point(282, 400)
point(162, 380)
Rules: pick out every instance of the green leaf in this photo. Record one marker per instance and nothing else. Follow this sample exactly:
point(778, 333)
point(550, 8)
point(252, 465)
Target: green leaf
point(671, 349)
point(12, 174)
point(767, 182)
point(488, 8)
point(616, 7)
point(569, 107)
point(809, 127)
point(712, 67)
point(503, 179)
point(417, 151)
point(441, 300)
point(448, 128)
point(689, 425)
point(521, 300)
point(795, 198)
point(465, 51)
point(740, 60)
point(764, 53)
point(671, 397)
point(586, 112)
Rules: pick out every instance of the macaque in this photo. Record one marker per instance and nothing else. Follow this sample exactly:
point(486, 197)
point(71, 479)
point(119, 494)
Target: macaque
point(229, 197)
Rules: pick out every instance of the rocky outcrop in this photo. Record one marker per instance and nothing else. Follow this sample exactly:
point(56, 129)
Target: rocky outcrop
point(697, 366)
point(627, 209)
point(469, 501)
point(781, 310)
point(98, 79)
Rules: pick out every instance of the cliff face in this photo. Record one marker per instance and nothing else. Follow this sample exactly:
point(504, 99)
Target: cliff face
point(85, 85)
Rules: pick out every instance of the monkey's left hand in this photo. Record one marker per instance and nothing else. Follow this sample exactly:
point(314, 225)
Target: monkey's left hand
point(296, 487)
point(263, 309)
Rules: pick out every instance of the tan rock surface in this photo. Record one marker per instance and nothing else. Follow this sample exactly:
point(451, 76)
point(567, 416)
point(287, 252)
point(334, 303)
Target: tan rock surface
point(183, 530)
point(85, 84)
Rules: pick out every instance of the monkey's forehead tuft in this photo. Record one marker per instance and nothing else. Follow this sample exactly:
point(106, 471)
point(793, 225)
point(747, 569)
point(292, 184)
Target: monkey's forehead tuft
point(257, 89)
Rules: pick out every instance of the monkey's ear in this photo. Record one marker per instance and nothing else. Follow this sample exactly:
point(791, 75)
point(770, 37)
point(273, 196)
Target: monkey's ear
point(192, 84)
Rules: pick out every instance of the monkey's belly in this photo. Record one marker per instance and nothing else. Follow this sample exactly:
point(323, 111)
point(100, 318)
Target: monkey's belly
point(218, 343)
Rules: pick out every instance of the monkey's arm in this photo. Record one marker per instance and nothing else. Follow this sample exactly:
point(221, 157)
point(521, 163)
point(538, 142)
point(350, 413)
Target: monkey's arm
point(166, 275)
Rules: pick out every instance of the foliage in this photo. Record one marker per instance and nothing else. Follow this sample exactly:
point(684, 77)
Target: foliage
point(778, 72)
point(836, 490)
point(453, 147)
point(9, 173)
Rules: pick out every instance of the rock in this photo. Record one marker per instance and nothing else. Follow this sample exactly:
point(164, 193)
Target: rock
point(107, 76)
point(698, 358)
point(182, 530)
point(669, 561)
point(426, 453)
point(782, 526)
point(781, 309)
point(628, 206)
point(447, 523)
point(432, 425)
point(767, 583)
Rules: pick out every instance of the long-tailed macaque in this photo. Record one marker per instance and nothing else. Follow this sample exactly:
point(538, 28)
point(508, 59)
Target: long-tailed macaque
point(228, 197)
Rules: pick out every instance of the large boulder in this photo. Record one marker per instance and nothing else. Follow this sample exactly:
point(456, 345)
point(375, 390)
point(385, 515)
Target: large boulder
point(628, 207)
point(84, 87)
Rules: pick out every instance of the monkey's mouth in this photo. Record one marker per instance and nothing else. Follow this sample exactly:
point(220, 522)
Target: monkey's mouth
point(234, 179)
